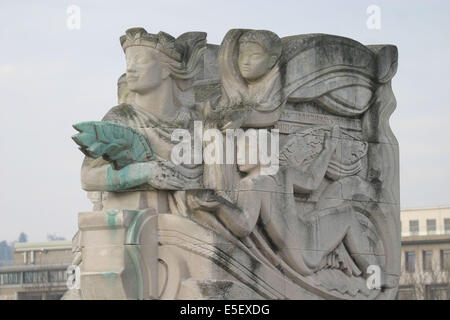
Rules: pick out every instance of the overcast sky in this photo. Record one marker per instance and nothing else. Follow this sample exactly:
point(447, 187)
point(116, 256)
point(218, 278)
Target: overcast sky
point(52, 77)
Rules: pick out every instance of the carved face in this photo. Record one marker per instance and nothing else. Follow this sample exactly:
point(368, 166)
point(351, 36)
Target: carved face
point(144, 71)
point(254, 61)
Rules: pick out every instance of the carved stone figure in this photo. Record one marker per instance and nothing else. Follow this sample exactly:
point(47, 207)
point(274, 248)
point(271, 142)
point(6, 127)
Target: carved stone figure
point(159, 69)
point(323, 225)
point(251, 83)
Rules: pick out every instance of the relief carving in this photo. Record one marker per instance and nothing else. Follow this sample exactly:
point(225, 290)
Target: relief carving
point(314, 228)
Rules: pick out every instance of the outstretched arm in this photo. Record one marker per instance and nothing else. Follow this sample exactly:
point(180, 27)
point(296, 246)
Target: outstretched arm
point(98, 175)
point(93, 174)
point(241, 218)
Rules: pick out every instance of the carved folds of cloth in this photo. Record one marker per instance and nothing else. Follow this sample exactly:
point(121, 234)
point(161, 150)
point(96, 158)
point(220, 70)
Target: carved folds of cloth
point(180, 242)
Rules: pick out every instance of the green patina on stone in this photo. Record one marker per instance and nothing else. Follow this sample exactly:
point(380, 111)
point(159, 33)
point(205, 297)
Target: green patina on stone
point(128, 177)
point(112, 217)
point(110, 277)
point(117, 143)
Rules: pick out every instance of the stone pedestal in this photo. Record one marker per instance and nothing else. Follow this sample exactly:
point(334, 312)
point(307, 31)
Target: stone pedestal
point(119, 252)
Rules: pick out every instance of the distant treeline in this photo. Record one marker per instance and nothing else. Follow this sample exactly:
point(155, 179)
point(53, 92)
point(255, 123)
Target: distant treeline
point(6, 252)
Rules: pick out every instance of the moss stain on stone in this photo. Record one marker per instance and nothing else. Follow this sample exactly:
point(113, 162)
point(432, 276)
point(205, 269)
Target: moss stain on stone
point(111, 221)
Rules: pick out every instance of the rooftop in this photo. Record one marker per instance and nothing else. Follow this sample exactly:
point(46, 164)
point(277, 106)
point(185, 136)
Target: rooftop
point(48, 245)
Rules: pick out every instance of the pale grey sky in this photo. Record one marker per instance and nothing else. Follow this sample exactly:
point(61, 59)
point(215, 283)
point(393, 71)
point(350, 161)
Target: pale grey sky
point(52, 77)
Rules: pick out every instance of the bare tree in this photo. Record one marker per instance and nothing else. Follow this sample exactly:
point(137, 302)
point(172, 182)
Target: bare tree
point(54, 237)
point(433, 284)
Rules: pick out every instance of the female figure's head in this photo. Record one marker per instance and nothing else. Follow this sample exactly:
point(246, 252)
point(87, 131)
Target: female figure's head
point(145, 71)
point(155, 59)
point(251, 74)
point(259, 51)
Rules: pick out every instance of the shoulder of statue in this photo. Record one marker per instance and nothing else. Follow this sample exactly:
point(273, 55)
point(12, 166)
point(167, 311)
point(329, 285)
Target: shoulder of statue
point(131, 115)
point(120, 113)
point(186, 116)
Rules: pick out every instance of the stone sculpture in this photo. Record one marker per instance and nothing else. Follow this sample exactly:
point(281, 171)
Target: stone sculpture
point(323, 225)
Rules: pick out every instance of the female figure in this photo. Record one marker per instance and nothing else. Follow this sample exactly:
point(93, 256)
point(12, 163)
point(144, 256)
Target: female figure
point(159, 70)
point(251, 94)
point(249, 66)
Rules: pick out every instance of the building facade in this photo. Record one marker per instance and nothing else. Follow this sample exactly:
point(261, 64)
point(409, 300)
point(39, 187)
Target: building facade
point(38, 271)
point(425, 254)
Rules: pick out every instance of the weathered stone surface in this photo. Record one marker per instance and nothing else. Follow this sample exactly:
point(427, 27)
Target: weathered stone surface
point(315, 227)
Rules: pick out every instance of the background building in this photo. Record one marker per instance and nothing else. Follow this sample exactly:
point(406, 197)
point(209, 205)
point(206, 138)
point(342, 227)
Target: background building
point(425, 254)
point(38, 271)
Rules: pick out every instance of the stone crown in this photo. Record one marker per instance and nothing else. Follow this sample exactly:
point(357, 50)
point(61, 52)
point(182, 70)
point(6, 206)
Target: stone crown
point(162, 42)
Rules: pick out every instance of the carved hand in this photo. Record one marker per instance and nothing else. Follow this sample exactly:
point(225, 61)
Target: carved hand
point(162, 175)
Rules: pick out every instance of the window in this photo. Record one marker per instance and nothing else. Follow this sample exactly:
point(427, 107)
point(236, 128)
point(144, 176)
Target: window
point(30, 295)
point(414, 227)
point(445, 259)
point(57, 276)
point(447, 226)
point(431, 226)
point(410, 261)
point(34, 277)
point(9, 278)
point(406, 293)
point(437, 292)
point(427, 257)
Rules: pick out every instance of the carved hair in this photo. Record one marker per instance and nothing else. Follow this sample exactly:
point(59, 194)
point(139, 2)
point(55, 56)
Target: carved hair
point(235, 90)
point(182, 56)
point(124, 94)
point(268, 40)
